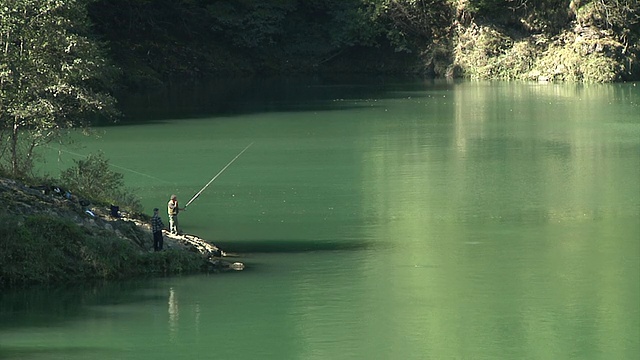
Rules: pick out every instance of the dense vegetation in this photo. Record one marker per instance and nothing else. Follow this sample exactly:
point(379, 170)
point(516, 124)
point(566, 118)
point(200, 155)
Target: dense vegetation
point(46, 249)
point(58, 59)
point(47, 237)
point(157, 40)
point(52, 76)
point(570, 40)
point(62, 61)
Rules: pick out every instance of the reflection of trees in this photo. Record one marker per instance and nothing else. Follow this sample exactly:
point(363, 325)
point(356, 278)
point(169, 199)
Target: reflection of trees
point(507, 209)
point(192, 320)
point(39, 306)
point(174, 315)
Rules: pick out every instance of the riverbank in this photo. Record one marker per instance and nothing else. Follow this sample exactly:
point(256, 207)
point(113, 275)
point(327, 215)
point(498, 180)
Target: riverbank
point(47, 237)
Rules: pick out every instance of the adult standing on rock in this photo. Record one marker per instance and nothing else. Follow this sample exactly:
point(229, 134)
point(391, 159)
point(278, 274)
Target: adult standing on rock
point(156, 229)
point(173, 210)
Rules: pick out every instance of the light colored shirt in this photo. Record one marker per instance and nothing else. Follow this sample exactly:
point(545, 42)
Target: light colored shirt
point(172, 207)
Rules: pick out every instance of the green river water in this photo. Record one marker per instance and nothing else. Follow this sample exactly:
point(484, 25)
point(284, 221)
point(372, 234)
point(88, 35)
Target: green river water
point(377, 220)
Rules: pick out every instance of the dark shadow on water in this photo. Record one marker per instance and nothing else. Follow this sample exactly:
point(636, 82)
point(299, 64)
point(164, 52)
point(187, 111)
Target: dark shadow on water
point(241, 96)
point(40, 352)
point(290, 246)
point(43, 305)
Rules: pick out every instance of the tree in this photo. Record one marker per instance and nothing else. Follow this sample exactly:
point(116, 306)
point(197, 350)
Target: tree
point(92, 178)
point(154, 40)
point(298, 35)
point(422, 21)
point(52, 76)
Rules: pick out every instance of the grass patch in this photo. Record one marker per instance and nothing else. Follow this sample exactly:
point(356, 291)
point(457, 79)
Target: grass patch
point(44, 249)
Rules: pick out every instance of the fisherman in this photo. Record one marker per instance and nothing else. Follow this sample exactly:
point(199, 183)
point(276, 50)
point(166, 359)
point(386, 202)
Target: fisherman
point(173, 209)
point(156, 229)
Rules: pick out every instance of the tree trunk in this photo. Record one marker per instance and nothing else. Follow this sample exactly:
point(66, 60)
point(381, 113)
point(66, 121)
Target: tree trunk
point(14, 148)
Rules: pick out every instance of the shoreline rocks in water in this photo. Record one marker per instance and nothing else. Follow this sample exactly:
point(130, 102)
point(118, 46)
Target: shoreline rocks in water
point(214, 255)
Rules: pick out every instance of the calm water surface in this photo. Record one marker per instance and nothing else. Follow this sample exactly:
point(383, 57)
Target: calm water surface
point(386, 220)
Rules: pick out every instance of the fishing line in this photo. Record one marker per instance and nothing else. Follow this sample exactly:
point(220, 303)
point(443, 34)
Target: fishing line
point(110, 164)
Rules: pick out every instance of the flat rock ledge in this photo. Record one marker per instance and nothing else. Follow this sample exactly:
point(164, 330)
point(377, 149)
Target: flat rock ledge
point(212, 253)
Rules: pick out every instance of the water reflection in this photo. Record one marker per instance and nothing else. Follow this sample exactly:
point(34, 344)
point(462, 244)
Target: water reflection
point(174, 315)
point(534, 186)
point(452, 221)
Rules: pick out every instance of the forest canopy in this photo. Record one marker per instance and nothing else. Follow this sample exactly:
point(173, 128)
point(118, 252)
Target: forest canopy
point(593, 40)
point(61, 60)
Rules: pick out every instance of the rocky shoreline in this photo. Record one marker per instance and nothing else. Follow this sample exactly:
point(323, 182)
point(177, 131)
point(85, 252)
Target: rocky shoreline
point(103, 244)
point(214, 255)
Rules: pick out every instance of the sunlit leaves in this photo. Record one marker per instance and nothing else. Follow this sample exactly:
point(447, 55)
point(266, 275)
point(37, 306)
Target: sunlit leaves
point(51, 75)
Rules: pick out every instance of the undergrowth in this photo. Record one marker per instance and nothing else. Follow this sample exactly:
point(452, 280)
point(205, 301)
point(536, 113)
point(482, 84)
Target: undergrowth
point(92, 178)
point(44, 249)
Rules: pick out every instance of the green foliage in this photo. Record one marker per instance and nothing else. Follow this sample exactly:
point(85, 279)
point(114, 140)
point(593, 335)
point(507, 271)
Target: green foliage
point(620, 15)
point(39, 249)
point(158, 39)
point(52, 76)
point(43, 249)
point(486, 53)
point(586, 60)
point(155, 41)
point(251, 24)
point(421, 20)
point(92, 178)
point(92, 175)
point(539, 41)
point(171, 262)
point(479, 50)
point(620, 19)
point(547, 16)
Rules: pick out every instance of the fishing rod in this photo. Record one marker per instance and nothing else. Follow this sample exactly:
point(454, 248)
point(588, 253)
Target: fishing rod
point(218, 174)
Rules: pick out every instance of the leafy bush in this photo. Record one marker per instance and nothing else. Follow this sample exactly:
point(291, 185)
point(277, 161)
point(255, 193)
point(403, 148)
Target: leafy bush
point(92, 178)
point(44, 249)
point(53, 76)
point(586, 57)
point(481, 50)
